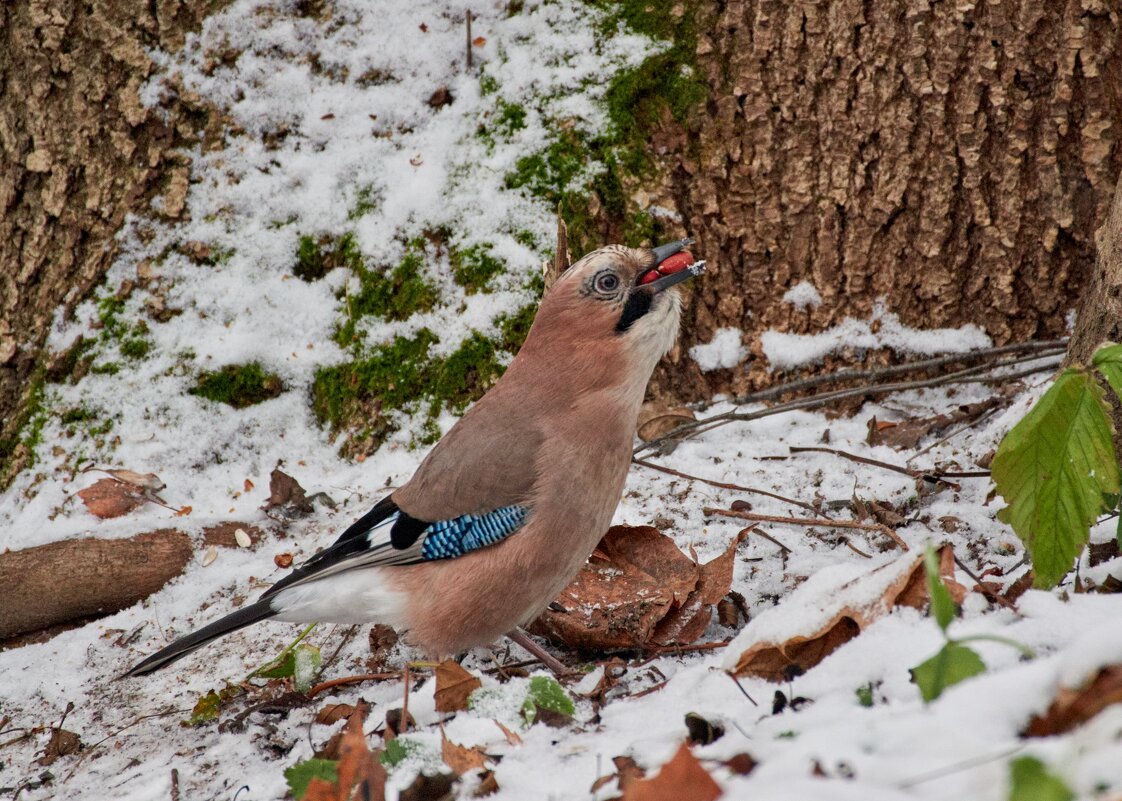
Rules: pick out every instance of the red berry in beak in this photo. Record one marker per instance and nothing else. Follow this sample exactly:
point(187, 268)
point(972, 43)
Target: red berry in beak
point(676, 263)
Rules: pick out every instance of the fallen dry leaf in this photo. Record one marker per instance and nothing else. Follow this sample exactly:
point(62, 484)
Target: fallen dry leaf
point(681, 779)
point(283, 560)
point(108, 498)
point(638, 589)
point(331, 713)
point(460, 758)
point(62, 743)
point(479, 41)
point(287, 499)
point(1073, 707)
point(830, 612)
point(453, 686)
point(511, 737)
point(357, 766)
point(906, 434)
point(183, 511)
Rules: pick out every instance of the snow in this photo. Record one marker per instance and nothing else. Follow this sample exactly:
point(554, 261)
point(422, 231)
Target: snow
point(255, 201)
point(802, 296)
point(883, 330)
point(723, 351)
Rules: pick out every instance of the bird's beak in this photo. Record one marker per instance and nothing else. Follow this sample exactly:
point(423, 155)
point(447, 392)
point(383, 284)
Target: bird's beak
point(673, 264)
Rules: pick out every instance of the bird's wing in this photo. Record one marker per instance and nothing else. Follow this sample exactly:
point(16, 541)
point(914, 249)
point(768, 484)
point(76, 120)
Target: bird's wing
point(486, 461)
point(387, 536)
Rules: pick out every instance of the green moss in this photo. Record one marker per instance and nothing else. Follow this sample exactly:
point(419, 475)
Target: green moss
point(513, 328)
point(402, 375)
point(135, 347)
point(488, 85)
point(73, 362)
point(396, 295)
point(366, 201)
point(315, 258)
point(238, 385)
point(637, 100)
point(474, 267)
point(510, 118)
point(28, 426)
point(78, 414)
point(106, 368)
point(467, 373)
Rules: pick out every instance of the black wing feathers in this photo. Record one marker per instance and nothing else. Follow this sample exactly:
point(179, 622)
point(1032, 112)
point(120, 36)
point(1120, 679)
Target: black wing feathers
point(352, 541)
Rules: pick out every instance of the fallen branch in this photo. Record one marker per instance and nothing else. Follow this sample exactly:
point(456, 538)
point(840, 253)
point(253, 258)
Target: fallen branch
point(809, 521)
point(358, 679)
point(695, 427)
point(907, 471)
point(1050, 346)
point(722, 484)
point(61, 582)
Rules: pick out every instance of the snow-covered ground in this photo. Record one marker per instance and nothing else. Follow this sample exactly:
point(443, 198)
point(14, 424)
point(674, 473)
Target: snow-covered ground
point(363, 151)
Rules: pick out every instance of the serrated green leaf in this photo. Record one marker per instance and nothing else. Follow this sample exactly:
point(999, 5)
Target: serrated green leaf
point(1029, 780)
point(305, 668)
point(953, 663)
point(1053, 469)
point(1108, 360)
point(300, 775)
point(942, 606)
point(546, 693)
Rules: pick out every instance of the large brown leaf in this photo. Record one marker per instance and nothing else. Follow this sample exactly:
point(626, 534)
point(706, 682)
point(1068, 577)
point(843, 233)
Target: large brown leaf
point(453, 686)
point(1073, 707)
point(638, 589)
point(820, 617)
point(681, 779)
point(357, 766)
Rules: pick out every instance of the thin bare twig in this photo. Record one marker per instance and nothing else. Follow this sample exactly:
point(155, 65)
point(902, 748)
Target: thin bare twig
point(907, 471)
point(810, 521)
point(695, 427)
point(986, 591)
point(405, 703)
point(722, 484)
point(754, 530)
point(964, 427)
point(87, 751)
point(358, 679)
point(876, 373)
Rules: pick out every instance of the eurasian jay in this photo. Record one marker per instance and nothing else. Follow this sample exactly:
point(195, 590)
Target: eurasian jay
point(505, 509)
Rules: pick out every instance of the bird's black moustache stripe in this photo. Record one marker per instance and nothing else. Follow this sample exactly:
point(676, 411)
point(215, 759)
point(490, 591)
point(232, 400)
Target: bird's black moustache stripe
point(637, 305)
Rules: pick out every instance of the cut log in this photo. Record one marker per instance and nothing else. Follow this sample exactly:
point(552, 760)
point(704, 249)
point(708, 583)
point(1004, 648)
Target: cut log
point(78, 579)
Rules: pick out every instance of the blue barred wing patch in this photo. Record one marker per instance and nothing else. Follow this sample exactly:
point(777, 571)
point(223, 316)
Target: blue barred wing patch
point(447, 539)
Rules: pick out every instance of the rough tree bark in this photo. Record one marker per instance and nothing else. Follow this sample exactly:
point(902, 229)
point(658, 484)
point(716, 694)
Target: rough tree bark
point(1100, 310)
point(953, 159)
point(78, 151)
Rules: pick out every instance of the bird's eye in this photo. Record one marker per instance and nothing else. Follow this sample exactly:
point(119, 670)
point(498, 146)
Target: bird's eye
point(607, 283)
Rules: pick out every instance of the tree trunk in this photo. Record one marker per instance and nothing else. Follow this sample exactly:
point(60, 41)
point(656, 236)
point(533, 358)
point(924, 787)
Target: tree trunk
point(952, 159)
point(78, 151)
point(1100, 311)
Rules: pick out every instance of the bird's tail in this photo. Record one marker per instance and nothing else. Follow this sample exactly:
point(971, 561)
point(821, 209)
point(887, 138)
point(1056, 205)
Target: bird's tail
point(197, 639)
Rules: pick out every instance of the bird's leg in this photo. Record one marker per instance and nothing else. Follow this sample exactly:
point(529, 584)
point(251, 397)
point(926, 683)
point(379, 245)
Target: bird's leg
point(548, 659)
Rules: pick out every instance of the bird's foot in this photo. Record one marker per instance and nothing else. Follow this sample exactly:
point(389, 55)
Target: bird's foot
point(549, 660)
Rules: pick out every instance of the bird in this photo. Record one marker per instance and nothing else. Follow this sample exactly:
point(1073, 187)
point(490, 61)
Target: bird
point(505, 509)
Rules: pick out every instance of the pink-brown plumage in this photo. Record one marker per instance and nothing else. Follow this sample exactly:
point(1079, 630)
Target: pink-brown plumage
point(548, 446)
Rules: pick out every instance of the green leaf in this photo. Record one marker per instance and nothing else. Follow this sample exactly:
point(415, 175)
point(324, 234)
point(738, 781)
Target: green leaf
point(300, 775)
point(305, 666)
point(1053, 469)
point(396, 750)
point(1029, 780)
point(208, 706)
point(280, 668)
point(1108, 360)
point(941, 604)
point(545, 693)
point(865, 695)
point(953, 663)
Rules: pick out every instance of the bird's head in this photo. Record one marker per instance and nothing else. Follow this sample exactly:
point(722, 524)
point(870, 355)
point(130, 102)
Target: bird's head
point(622, 298)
